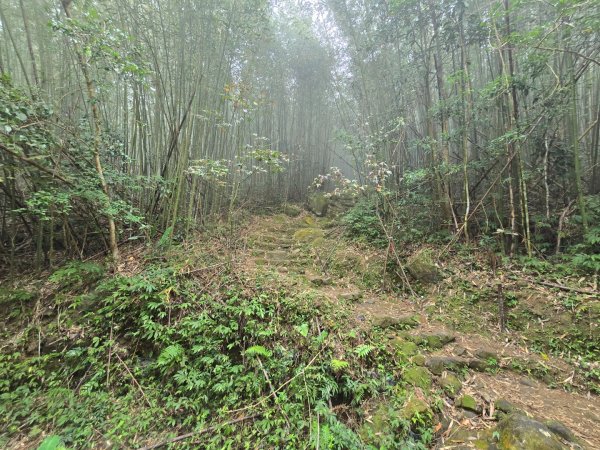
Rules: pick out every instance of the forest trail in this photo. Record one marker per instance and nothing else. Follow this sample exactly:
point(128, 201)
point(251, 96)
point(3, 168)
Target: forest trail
point(307, 253)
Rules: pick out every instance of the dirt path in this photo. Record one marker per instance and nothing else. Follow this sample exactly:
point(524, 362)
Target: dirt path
point(306, 253)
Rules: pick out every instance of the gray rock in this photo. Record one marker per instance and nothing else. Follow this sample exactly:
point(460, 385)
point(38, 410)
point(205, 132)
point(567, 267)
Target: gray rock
point(486, 354)
point(523, 433)
point(318, 204)
point(467, 402)
point(561, 430)
point(437, 364)
point(450, 384)
point(505, 406)
point(320, 281)
point(351, 296)
point(460, 351)
point(422, 268)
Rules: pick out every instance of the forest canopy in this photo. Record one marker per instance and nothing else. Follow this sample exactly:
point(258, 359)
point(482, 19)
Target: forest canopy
point(121, 118)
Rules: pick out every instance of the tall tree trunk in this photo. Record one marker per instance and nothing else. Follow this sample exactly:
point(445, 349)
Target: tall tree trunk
point(444, 127)
point(34, 70)
point(91, 93)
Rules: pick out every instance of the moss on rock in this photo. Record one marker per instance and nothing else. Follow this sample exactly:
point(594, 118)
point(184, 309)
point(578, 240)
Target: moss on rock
point(308, 234)
point(318, 204)
point(415, 407)
point(467, 402)
point(291, 210)
point(405, 348)
point(451, 384)
point(518, 432)
point(422, 267)
point(418, 360)
point(418, 376)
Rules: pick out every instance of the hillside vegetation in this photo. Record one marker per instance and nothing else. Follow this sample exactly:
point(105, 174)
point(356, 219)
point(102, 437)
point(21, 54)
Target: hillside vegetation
point(321, 224)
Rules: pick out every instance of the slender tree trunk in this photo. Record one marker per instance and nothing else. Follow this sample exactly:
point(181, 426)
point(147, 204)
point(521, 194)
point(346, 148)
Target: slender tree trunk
point(444, 127)
point(91, 93)
point(34, 70)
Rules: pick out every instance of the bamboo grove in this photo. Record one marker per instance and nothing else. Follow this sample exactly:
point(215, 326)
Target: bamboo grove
point(120, 118)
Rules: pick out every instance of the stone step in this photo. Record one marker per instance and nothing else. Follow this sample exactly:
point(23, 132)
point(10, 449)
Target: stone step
point(272, 245)
point(289, 265)
point(267, 237)
point(277, 255)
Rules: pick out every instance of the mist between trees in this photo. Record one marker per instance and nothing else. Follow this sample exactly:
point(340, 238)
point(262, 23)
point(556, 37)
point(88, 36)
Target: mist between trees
point(120, 119)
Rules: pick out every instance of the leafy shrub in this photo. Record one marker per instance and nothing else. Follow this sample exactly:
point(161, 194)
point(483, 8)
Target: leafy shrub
point(363, 224)
point(164, 344)
point(586, 254)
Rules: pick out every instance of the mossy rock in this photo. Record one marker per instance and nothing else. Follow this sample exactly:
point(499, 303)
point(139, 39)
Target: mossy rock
point(562, 431)
point(486, 354)
point(318, 204)
point(353, 296)
point(437, 341)
point(504, 406)
point(467, 402)
point(318, 242)
point(291, 210)
point(518, 432)
point(418, 376)
point(405, 348)
point(592, 309)
point(482, 366)
point(437, 364)
point(434, 341)
point(308, 234)
point(422, 267)
point(450, 384)
point(378, 426)
point(415, 407)
point(310, 221)
point(470, 436)
point(319, 281)
point(280, 218)
point(418, 360)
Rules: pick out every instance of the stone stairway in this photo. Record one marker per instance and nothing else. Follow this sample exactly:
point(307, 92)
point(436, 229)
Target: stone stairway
point(278, 242)
point(476, 375)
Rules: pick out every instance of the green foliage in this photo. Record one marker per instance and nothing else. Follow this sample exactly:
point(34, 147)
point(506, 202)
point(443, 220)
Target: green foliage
point(44, 204)
point(102, 43)
point(586, 254)
point(338, 365)
point(52, 178)
point(258, 350)
point(52, 443)
point(75, 273)
point(363, 224)
point(197, 357)
point(213, 171)
point(166, 238)
point(363, 350)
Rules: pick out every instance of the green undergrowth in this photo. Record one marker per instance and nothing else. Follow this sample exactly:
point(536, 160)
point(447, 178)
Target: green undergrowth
point(95, 361)
point(549, 321)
